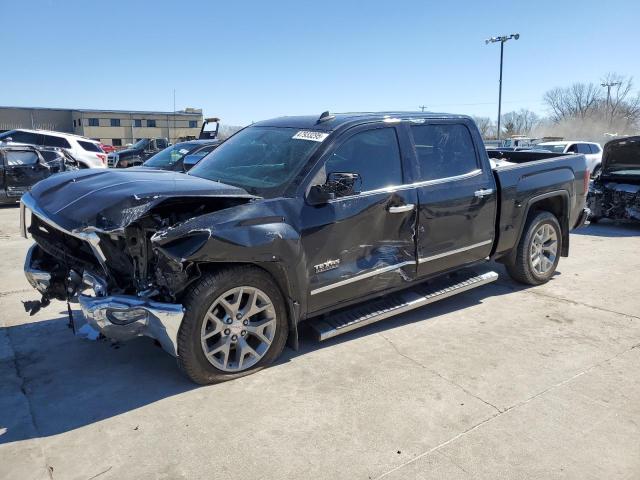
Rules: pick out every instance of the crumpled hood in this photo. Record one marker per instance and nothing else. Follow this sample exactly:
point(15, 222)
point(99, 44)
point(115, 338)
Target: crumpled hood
point(113, 198)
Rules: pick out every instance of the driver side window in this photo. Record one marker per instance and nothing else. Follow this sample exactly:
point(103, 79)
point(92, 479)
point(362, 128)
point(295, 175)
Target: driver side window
point(372, 154)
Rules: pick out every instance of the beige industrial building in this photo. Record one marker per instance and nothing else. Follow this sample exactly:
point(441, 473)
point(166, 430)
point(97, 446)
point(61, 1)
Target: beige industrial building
point(111, 127)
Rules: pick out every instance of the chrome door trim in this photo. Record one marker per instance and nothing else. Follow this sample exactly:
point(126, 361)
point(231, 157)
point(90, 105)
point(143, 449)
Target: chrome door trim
point(362, 276)
point(453, 252)
point(401, 208)
point(406, 186)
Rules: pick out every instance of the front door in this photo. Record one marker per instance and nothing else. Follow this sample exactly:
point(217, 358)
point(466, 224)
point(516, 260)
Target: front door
point(363, 242)
point(456, 196)
point(22, 170)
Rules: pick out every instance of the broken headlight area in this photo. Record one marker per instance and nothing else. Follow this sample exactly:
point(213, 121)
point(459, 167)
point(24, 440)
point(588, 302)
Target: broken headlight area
point(126, 316)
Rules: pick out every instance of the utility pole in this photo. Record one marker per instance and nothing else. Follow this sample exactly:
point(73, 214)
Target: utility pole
point(422, 107)
point(503, 39)
point(608, 87)
point(174, 115)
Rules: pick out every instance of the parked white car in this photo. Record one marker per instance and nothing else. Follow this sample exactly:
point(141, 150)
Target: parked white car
point(592, 151)
point(87, 152)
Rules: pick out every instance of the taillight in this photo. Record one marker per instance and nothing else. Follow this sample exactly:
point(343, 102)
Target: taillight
point(102, 157)
point(586, 180)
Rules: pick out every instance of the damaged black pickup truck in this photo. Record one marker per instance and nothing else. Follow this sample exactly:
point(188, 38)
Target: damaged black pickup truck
point(340, 220)
point(615, 192)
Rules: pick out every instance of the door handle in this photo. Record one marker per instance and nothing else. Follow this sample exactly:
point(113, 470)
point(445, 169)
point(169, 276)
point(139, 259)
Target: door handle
point(401, 208)
point(483, 193)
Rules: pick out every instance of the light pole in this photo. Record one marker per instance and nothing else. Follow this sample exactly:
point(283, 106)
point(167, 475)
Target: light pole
point(502, 41)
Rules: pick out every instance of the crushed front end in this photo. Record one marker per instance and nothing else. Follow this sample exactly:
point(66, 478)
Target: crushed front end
point(73, 267)
point(104, 256)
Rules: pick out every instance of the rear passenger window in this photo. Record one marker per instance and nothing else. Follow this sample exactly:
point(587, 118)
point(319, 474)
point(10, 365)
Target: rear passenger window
point(25, 137)
point(51, 141)
point(584, 148)
point(443, 150)
point(594, 148)
point(21, 158)
point(373, 154)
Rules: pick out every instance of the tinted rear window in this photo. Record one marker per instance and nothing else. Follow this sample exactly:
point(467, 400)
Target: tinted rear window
point(23, 137)
point(444, 150)
point(51, 141)
point(21, 158)
point(90, 147)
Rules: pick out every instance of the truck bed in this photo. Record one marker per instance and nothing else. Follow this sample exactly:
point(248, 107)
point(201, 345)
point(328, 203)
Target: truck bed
point(524, 177)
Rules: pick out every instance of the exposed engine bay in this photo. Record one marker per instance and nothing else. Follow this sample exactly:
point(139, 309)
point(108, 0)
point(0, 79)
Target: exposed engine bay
point(618, 201)
point(138, 258)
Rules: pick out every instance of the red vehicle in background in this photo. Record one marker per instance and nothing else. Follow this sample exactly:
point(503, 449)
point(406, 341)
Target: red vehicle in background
point(107, 148)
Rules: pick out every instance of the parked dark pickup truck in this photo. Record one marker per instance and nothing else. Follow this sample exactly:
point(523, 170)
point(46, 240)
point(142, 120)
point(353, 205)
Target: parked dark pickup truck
point(341, 220)
point(137, 153)
point(615, 192)
point(22, 166)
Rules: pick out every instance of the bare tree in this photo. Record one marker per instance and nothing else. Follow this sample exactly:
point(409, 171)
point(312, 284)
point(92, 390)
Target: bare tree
point(520, 122)
point(579, 100)
point(486, 127)
point(621, 105)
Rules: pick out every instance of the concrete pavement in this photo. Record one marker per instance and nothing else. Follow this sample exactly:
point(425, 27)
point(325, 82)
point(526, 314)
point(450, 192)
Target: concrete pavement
point(500, 382)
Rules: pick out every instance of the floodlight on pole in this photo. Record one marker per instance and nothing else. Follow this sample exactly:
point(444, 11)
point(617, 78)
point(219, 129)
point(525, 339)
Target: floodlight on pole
point(502, 40)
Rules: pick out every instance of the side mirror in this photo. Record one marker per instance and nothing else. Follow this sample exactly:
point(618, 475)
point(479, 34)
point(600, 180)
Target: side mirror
point(190, 161)
point(338, 184)
point(319, 195)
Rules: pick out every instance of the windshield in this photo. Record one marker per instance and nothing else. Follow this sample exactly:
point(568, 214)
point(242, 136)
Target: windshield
point(260, 159)
point(557, 148)
point(142, 143)
point(170, 156)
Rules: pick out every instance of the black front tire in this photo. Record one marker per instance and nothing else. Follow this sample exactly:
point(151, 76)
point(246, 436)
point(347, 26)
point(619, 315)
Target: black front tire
point(519, 265)
point(197, 301)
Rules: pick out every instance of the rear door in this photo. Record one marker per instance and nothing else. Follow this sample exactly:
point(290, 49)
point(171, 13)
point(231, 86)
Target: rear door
point(23, 169)
point(361, 243)
point(457, 197)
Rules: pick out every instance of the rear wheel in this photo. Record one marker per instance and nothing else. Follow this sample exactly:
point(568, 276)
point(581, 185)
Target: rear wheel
point(537, 254)
point(234, 324)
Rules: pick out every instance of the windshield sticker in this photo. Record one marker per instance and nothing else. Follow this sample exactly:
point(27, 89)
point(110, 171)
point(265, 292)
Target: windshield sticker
point(310, 135)
point(183, 151)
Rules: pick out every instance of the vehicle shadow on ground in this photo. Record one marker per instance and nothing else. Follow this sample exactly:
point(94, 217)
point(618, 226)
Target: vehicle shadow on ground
point(71, 382)
point(609, 228)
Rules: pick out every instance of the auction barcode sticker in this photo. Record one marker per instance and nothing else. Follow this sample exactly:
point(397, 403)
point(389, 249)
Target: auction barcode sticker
point(310, 135)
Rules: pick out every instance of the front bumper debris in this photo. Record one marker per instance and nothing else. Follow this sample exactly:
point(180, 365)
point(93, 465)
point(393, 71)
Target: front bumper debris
point(119, 317)
point(38, 279)
point(123, 317)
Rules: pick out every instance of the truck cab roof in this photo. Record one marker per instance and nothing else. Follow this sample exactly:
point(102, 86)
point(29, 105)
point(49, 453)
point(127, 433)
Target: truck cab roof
point(336, 121)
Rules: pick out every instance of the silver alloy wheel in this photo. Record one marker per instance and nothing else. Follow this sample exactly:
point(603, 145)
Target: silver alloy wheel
point(238, 329)
point(543, 250)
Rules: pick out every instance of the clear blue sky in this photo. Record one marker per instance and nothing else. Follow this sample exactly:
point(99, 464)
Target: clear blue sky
point(251, 60)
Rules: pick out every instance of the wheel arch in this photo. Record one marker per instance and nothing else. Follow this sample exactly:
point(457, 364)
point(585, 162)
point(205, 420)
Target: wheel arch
point(557, 203)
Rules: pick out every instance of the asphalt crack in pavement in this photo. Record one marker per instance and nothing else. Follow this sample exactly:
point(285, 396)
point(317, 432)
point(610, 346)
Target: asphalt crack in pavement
point(562, 299)
point(508, 409)
point(438, 374)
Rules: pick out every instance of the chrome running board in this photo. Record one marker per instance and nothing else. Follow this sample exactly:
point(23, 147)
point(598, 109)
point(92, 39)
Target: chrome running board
point(400, 302)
